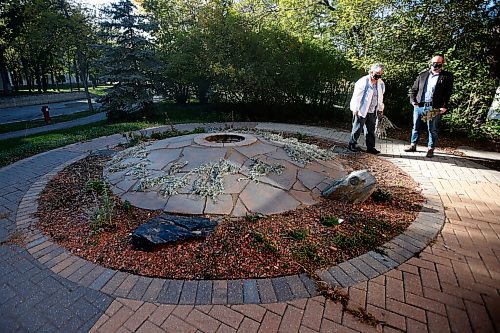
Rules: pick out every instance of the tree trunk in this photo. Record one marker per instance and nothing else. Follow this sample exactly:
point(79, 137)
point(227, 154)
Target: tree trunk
point(5, 77)
point(84, 77)
point(38, 78)
point(69, 75)
point(16, 80)
point(77, 74)
point(54, 83)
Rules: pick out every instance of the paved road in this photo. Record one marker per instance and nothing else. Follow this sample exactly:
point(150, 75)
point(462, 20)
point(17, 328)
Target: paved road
point(52, 127)
point(33, 112)
point(451, 286)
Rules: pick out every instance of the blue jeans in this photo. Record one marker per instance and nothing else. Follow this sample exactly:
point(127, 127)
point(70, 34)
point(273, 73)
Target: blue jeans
point(432, 126)
point(357, 126)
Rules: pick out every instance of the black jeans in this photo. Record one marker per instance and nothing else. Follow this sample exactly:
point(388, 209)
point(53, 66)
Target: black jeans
point(357, 126)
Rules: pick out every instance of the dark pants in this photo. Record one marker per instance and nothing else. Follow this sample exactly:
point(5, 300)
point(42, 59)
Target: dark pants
point(357, 126)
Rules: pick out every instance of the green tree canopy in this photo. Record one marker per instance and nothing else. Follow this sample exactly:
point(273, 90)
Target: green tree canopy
point(128, 60)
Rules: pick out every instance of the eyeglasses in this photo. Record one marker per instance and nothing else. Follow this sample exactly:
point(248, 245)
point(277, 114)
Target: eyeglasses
point(437, 64)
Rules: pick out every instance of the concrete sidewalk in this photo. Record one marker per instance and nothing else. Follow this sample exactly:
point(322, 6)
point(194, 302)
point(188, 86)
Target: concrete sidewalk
point(33, 112)
point(52, 127)
point(451, 286)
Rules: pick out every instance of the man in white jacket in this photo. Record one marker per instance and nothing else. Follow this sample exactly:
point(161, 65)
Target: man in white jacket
point(367, 100)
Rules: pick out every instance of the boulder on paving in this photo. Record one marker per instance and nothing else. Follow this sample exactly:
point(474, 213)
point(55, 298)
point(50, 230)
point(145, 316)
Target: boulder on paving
point(166, 228)
point(355, 188)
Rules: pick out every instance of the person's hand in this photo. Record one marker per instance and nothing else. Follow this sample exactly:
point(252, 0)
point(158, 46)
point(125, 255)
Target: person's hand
point(442, 110)
point(414, 104)
point(355, 113)
point(380, 113)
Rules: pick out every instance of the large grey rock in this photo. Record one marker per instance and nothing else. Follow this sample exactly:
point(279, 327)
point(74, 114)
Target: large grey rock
point(167, 228)
point(355, 188)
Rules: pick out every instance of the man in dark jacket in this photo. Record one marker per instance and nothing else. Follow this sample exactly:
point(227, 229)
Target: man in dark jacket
point(430, 97)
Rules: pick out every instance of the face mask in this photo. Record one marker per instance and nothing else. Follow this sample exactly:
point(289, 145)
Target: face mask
point(437, 66)
point(376, 76)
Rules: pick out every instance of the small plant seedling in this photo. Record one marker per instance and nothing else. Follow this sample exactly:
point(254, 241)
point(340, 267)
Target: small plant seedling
point(96, 185)
point(127, 206)
point(258, 236)
point(380, 195)
point(253, 217)
point(330, 221)
point(299, 234)
point(270, 247)
point(306, 253)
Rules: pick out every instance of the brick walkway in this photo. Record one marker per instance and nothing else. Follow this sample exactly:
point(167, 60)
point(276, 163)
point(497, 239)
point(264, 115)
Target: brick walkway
point(452, 285)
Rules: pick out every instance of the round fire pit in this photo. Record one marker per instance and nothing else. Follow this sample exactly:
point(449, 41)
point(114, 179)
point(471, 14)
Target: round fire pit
point(225, 139)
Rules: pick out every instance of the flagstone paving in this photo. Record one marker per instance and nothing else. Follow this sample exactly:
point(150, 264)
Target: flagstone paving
point(268, 194)
point(452, 285)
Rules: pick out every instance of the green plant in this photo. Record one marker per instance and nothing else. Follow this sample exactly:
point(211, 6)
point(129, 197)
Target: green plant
point(127, 206)
point(380, 195)
point(258, 236)
point(270, 246)
point(164, 135)
point(198, 130)
point(330, 221)
point(369, 235)
point(253, 217)
point(101, 215)
point(133, 138)
point(96, 185)
point(344, 241)
point(299, 234)
point(305, 253)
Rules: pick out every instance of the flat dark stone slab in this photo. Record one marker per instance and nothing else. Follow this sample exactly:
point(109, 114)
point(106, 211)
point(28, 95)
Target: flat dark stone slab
point(167, 228)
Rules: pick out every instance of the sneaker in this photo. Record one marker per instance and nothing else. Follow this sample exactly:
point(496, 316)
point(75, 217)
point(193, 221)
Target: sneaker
point(411, 149)
point(354, 148)
point(430, 153)
point(373, 151)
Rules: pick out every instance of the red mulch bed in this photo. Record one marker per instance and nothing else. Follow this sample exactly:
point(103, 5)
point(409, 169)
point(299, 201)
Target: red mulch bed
point(239, 247)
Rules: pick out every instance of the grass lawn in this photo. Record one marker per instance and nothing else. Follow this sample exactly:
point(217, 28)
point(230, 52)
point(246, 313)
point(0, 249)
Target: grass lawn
point(22, 125)
point(15, 149)
point(12, 150)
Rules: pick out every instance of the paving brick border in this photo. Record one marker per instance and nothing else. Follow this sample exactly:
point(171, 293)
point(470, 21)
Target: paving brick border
point(241, 291)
